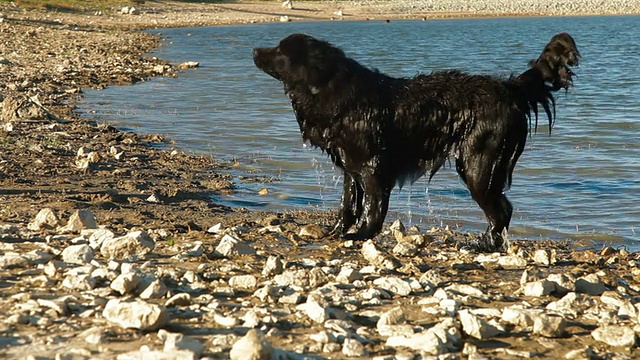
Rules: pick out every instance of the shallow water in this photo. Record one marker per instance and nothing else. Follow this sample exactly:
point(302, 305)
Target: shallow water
point(580, 182)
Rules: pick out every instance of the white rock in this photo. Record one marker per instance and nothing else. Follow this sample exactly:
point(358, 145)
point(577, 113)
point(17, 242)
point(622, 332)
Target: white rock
point(323, 337)
point(98, 237)
point(353, 348)
point(58, 305)
point(450, 306)
point(53, 267)
point(590, 284)
point(225, 321)
point(294, 277)
point(512, 262)
point(251, 319)
point(229, 246)
point(395, 330)
point(294, 299)
point(127, 267)
point(125, 283)
point(538, 288)
point(312, 231)
point(147, 354)
point(252, 346)
point(135, 314)
point(83, 151)
point(612, 298)
point(373, 293)
point(531, 275)
point(153, 198)
point(45, 219)
point(160, 69)
point(215, 229)
point(394, 316)
point(155, 290)
point(465, 289)
point(134, 244)
point(487, 312)
point(394, 285)
point(79, 220)
point(189, 65)
point(244, 282)
point(572, 303)
point(191, 276)
point(563, 283)
point(178, 341)
point(476, 326)
point(77, 254)
point(377, 257)
point(314, 309)
point(93, 157)
point(405, 248)
point(627, 310)
point(544, 257)
point(487, 258)
point(79, 282)
point(581, 354)
point(549, 325)
point(397, 226)
point(104, 273)
point(267, 293)
point(441, 294)
point(348, 275)
point(520, 317)
point(83, 164)
point(179, 299)
point(439, 339)
point(94, 336)
point(273, 266)
point(615, 335)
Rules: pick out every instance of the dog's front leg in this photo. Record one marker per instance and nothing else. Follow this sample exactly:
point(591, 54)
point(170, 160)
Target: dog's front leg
point(374, 208)
point(350, 206)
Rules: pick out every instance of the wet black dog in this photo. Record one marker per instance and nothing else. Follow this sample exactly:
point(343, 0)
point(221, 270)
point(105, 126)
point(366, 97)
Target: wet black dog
point(382, 131)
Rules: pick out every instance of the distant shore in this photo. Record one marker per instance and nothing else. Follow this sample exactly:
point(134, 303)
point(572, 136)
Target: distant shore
point(161, 14)
point(209, 273)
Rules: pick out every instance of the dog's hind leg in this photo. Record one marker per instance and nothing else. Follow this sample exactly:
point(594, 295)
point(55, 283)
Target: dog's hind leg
point(350, 205)
point(374, 207)
point(485, 183)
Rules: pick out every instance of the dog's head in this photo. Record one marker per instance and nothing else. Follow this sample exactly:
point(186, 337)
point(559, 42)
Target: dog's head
point(300, 61)
point(562, 44)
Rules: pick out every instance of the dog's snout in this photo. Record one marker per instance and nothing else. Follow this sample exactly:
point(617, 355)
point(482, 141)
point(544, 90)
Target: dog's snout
point(255, 53)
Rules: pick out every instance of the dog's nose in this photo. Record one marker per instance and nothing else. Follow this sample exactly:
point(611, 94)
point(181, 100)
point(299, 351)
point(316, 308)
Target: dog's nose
point(255, 52)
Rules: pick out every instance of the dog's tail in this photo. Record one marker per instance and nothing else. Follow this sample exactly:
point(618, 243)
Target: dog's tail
point(549, 73)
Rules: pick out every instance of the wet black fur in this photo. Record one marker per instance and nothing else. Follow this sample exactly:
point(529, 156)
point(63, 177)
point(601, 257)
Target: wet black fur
point(382, 131)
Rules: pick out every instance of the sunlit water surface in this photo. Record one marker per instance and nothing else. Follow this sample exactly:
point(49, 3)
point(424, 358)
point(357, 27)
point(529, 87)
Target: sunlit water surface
point(581, 182)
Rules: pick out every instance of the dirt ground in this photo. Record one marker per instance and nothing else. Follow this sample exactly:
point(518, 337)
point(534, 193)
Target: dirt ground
point(51, 159)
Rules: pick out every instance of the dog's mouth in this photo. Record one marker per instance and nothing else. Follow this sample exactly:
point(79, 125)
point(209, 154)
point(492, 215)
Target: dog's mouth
point(264, 60)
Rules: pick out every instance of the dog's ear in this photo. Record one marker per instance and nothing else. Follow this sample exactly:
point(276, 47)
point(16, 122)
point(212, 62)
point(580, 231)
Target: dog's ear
point(313, 63)
point(323, 64)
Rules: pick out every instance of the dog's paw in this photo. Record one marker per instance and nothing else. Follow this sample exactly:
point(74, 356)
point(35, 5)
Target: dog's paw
point(337, 230)
point(358, 236)
point(485, 243)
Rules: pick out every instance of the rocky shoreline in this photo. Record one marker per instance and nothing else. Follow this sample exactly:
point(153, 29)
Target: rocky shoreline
point(110, 246)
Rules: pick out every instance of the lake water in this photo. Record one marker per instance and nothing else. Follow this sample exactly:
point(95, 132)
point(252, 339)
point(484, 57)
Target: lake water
point(582, 182)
